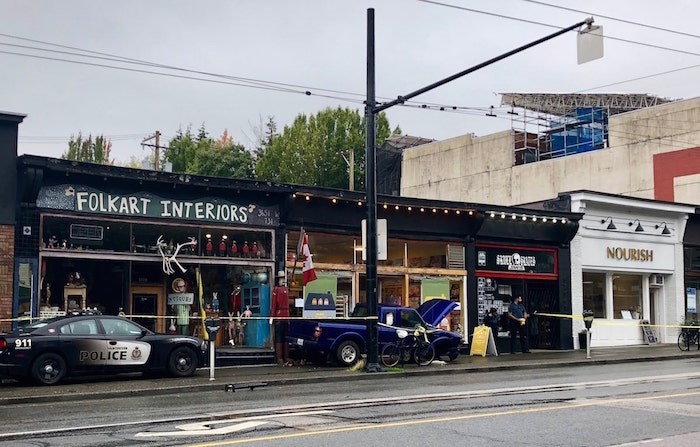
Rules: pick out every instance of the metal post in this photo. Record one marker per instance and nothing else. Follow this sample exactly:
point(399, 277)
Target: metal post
point(370, 184)
point(212, 357)
point(588, 343)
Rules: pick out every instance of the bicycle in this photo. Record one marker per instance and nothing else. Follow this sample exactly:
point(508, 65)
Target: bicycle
point(417, 347)
point(689, 336)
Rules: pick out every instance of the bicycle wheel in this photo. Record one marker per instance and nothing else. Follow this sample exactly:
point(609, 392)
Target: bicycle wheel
point(424, 354)
point(390, 356)
point(683, 341)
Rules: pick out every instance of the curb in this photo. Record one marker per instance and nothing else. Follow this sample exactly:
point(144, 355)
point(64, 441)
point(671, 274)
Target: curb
point(342, 376)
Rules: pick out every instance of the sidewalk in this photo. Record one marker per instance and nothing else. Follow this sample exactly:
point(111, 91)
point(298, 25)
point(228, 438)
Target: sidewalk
point(101, 388)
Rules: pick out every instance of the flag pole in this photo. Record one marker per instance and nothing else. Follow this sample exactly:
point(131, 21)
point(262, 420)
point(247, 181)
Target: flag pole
point(296, 255)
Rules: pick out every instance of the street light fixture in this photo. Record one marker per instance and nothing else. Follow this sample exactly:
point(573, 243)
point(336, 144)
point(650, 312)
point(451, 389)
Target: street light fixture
point(371, 110)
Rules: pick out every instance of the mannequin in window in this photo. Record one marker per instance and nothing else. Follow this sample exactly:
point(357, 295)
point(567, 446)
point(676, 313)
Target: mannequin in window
point(279, 312)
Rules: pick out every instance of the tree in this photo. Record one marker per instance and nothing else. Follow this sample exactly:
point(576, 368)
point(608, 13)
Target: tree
point(204, 156)
point(97, 151)
point(223, 158)
point(310, 151)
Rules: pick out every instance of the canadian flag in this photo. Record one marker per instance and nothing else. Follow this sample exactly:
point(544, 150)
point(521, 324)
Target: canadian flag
point(308, 273)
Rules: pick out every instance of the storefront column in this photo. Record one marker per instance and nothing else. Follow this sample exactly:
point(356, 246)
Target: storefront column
point(609, 312)
point(565, 324)
point(645, 298)
point(471, 303)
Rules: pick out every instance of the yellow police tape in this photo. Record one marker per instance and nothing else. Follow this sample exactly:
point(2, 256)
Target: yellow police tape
point(605, 322)
point(194, 317)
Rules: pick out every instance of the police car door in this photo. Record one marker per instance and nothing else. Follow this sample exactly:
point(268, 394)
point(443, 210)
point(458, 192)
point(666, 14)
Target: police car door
point(82, 345)
point(125, 349)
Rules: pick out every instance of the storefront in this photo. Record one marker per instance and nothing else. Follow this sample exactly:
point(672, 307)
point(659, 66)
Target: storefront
point(414, 271)
point(630, 267)
point(505, 272)
point(137, 249)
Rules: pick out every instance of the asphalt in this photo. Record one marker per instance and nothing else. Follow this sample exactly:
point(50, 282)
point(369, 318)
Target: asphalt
point(241, 377)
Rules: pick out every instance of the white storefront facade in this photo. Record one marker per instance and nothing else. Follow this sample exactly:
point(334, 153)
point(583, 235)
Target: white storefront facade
point(627, 267)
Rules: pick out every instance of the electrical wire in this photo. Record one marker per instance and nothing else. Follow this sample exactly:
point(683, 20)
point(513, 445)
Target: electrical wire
point(629, 22)
point(533, 22)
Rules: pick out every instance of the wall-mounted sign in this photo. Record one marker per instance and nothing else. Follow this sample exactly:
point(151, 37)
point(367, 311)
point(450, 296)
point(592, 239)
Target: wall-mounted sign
point(180, 298)
point(627, 255)
point(516, 259)
point(692, 294)
point(142, 204)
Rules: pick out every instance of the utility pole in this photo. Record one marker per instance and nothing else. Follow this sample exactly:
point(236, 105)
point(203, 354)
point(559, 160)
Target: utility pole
point(156, 148)
point(371, 109)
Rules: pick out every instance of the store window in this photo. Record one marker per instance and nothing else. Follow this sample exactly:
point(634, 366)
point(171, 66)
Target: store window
point(427, 254)
point(627, 296)
point(325, 248)
point(70, 233)
point(395, 252)
point(594, 293)
point(391, 290)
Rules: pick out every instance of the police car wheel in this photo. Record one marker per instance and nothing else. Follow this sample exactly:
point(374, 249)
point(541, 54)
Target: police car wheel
point(348, 353)
point(182, 362)
point(48, 369)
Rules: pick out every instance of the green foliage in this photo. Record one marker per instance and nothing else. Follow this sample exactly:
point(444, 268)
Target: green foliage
point(89, 150)
point(311, 150)
point(204, 156)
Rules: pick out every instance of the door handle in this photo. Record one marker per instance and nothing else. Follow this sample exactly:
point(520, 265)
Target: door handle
point(112, 342)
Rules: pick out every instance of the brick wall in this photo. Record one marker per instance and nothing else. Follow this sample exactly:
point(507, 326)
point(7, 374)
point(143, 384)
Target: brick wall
point(7, 249)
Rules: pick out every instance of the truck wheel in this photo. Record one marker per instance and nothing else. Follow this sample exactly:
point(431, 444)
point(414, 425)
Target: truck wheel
point(348, 353)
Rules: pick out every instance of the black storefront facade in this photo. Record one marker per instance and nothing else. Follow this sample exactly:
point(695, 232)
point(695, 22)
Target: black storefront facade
point(103, 223)
point(529, 256)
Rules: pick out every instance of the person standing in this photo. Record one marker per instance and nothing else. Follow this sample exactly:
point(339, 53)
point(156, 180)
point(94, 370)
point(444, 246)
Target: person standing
point(491, 320)
point(517, 317)
point(279, 312)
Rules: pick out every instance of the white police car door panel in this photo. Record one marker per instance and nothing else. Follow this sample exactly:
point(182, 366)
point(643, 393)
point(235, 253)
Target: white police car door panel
point(125, 353)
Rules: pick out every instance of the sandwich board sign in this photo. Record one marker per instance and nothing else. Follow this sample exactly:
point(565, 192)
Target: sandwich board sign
point(483, 342)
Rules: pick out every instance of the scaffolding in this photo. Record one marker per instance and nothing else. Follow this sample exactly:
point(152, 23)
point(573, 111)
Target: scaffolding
point(550, 125)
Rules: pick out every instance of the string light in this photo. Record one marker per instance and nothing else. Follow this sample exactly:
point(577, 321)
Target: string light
point(335, 200)
point(471, 213)
point(359, 203)
point(503, 215)
point(385, 207)
point(513, 216)
point(524, 217)
point(458, 212)
point(493, 214)
point(446, 211)
point(410, 209)
point(308, 197)
point(422, 209)
point(294, 195)
point(396, 207)
point(434, 210)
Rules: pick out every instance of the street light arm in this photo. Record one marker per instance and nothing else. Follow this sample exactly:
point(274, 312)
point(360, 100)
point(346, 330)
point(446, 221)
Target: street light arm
point(404, 98)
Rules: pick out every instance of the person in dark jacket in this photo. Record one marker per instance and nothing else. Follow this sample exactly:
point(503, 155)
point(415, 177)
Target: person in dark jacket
point(491, 320)
point(517, 317)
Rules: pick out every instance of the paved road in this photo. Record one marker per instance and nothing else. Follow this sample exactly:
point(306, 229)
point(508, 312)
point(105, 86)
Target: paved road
point(11, 393)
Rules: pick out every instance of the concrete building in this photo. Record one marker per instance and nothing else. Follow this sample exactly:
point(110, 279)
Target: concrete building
point(650, 152)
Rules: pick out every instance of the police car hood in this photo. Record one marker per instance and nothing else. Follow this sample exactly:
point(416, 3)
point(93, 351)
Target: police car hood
point(433, 311)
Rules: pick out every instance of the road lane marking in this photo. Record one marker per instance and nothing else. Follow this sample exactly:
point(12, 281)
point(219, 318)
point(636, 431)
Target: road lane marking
point(436, 420)
point(204, 428)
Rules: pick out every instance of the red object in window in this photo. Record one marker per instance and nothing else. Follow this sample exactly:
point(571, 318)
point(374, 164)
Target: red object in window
point(209, 248)
point(255, 249)
point(234, 249)
point(222, 248)
point(245, 249)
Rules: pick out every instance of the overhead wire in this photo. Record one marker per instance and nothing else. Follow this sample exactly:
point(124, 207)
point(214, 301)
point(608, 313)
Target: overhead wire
point(616, 19)
point(534, 22)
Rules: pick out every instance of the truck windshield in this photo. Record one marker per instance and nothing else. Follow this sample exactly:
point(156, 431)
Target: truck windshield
point(410, 318)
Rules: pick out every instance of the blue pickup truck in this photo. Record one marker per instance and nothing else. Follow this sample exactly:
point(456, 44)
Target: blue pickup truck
point(344, 341)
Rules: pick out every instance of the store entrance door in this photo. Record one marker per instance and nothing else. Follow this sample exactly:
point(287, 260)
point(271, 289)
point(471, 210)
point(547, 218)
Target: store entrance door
point(144, 302)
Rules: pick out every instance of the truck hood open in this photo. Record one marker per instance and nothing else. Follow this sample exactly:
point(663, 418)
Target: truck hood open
point(433, 311)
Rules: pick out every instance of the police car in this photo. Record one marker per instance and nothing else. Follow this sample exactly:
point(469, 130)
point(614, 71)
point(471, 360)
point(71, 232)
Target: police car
point(88, 343)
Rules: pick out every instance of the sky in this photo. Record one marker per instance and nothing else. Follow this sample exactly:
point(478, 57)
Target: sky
point(285, 48)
